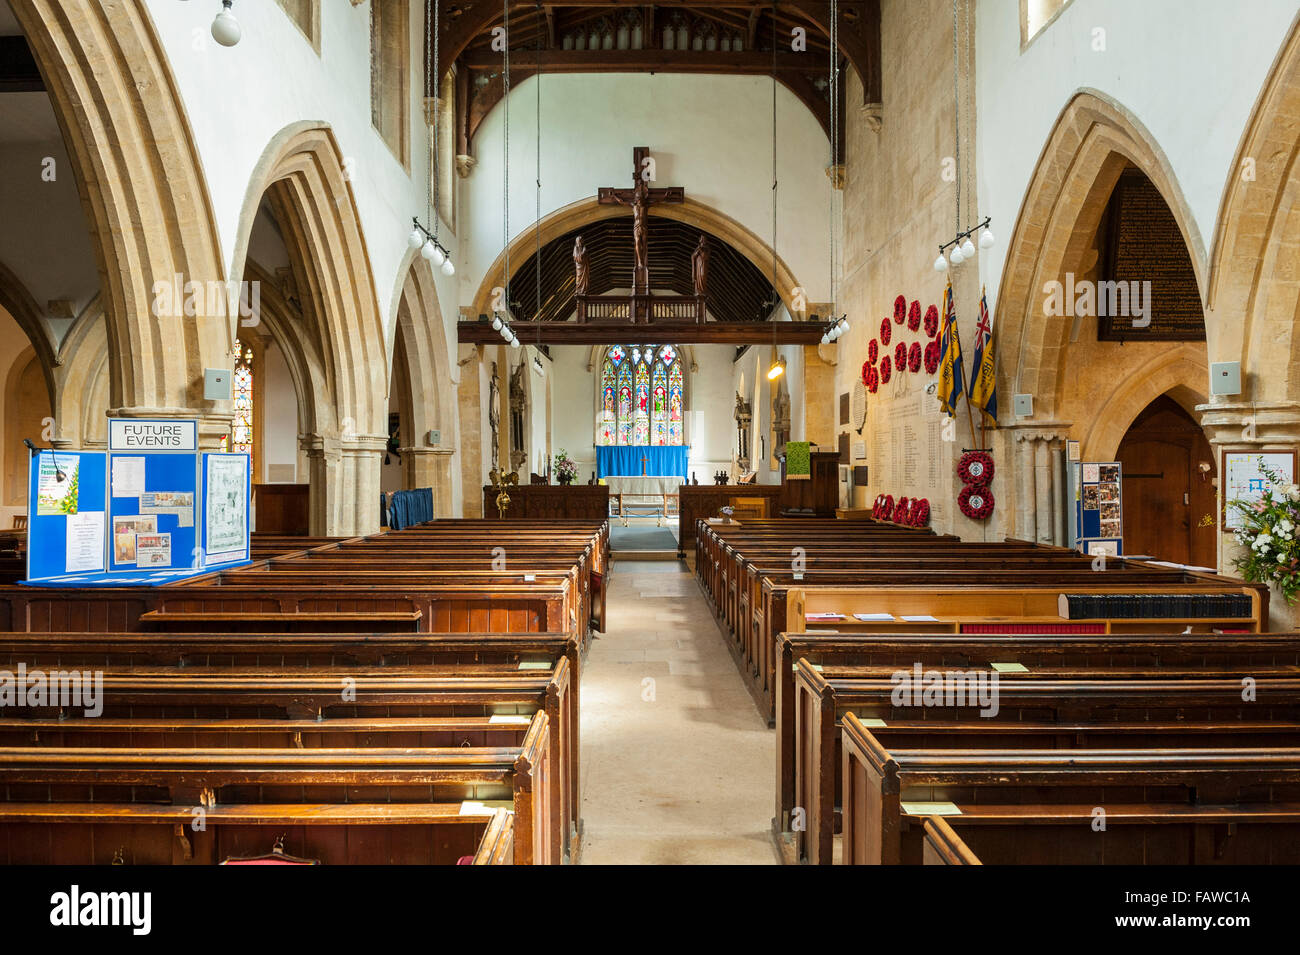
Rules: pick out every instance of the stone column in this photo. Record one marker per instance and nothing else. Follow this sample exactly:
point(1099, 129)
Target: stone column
point(324, 456)
point(432, 467)
point(362, 459)
point(1040, 482)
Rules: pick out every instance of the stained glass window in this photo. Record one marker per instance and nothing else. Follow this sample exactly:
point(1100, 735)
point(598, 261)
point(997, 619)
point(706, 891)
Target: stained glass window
point(641, 421)
point(241, 429)
point(608, 417)
point(642, 396)
point(625, 403)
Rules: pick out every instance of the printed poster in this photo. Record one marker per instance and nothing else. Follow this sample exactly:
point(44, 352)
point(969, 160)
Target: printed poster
point(125, 532)
point(153, 550)
point(85, 542)
point(56, 490)
point(127, 476)
point(227, 501)
point(180, 504)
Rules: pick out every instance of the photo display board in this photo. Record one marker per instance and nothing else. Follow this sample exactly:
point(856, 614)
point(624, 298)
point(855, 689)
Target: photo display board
point(136, 514)
point(1097, 505)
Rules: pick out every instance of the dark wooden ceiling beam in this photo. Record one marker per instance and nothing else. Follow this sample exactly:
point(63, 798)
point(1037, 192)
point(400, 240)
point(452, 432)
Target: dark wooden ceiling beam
point(657, 333)
point(648, 60)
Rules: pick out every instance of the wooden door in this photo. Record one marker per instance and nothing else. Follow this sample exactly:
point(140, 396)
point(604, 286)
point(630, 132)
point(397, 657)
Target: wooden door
point(1169, 499)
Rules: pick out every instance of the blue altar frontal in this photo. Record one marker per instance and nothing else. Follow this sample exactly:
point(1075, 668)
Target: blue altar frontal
point(625, 461)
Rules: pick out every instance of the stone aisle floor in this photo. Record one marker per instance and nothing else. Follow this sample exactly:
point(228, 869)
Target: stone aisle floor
point(677, 766)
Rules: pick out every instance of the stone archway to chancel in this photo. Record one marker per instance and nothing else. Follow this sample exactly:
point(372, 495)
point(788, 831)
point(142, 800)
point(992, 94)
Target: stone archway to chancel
point(301, 174)
point(426, 394)
point(123, 122)
point(1060, 359)
point(576, 215)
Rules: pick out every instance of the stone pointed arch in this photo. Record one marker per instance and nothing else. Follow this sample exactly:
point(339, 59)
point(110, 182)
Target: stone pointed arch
point(301, 172)
point(18, 302)
point(1093, 140)
point(1253, 296)
point(421, 359)
point(1164, 374)
point(717, 224)
point(145, 196)
point(81, 377)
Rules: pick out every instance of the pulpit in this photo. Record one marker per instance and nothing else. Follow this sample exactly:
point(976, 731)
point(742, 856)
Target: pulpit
point(817, 493)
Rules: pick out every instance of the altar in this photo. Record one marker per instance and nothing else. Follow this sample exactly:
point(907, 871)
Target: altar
point(657, 461)
point(643, 496)
point(636, 485)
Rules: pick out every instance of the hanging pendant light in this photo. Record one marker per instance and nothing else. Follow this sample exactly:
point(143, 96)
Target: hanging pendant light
point(225, 28)
point(968, 249)
point(941, 263)
point(447, 267)
point(416, 239)
point(986, 239)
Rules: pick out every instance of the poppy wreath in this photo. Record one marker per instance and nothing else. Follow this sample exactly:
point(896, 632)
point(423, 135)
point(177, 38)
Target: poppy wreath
point(931, 357)
point(866, 367)
point(975, 468)
point(872, 379)
point(885, 331)
point(932, 321)
point(914, 357)
point(873, 351)
point(976, 501)
point(885, 370)
point(900, 310)
point(920, 512)
point(902, 511)
point(886, 507)
point(914, 316)
point(900, 357)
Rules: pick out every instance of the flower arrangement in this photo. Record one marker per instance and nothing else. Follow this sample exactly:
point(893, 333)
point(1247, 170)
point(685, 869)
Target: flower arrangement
point(1268, 532)
point(975, 467)
point(900, 357)
point(932, 357)
point(885, 369)
point(726, 513)
point(976, 501)
point(914, 357)
point(566, 469)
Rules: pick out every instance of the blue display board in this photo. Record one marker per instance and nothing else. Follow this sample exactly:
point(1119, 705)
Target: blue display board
point(153, 515)
point(52, 505)
point(1097, 506)
point(150, 510)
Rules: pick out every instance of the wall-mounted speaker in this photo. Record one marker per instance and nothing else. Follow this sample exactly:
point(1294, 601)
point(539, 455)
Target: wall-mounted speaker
point(1225, 377)
point(216, 384)
point(1023, 405)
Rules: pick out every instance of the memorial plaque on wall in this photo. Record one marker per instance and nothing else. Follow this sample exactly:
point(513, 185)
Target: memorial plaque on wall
point(844, 448)
point(1143, 244)
point(844, 408)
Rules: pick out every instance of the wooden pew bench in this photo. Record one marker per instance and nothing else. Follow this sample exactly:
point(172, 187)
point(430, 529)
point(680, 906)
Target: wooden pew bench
point(1182, 806)
point(343, 789)
point(823, 702)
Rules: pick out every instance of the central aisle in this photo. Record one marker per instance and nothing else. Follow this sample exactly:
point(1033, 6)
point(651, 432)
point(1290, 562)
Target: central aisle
point(677, 766)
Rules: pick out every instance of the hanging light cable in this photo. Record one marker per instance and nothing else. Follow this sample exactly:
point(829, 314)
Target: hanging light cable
point(537, 220)
point(425, 238)
point(777, 368)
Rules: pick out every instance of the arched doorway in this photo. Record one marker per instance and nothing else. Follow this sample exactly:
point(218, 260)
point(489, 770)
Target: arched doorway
point(1169, 490)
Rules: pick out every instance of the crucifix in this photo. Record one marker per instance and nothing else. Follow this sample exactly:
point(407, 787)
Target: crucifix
point(644, 459)
point(640, 197)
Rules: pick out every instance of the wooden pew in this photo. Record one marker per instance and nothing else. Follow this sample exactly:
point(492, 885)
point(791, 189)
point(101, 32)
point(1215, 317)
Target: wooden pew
point(823, 701)
point(942, 846)
point(833, 655)
point(1183, 807)
point(338, 788)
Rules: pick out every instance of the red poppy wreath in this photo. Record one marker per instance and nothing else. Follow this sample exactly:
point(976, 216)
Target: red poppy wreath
point(975, 467)
point(931, 358)
point(976, 502)
point(902, 511)
point(900, 309)
point(885, 331)
point(872, 379)
point(886, 509)
point(885, 370)
point(914, 357)
point(932, 321)
point(873, 351)
point(914, 315)
point(920, 512)
point(900, 357)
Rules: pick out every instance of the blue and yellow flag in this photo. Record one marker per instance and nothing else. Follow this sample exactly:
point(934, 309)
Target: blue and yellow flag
point(952, 377)
point(984, 375)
